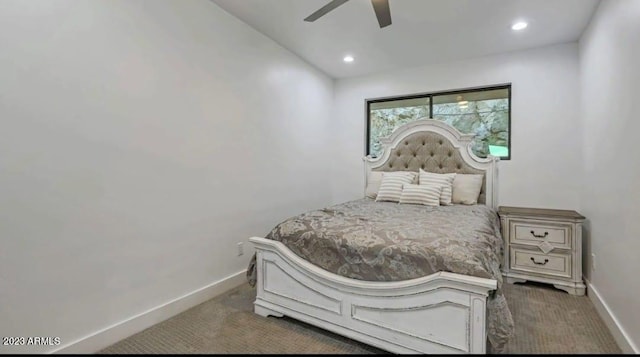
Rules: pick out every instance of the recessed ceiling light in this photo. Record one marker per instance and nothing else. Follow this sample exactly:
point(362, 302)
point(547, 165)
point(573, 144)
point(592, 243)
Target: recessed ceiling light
point(348, 59)
point(519, 25)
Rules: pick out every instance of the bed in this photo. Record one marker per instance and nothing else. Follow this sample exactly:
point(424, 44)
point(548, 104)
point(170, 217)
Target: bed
point(404, 278)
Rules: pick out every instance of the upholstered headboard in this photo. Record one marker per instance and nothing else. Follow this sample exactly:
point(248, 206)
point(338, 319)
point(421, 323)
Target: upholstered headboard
point(435, 147)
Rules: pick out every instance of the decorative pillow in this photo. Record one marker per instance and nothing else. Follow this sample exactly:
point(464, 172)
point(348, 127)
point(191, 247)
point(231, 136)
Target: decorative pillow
point(427, 194)
point(373, 184)
point(374, 180)
point(446, 180)
point(466, 188)
point(391, 185)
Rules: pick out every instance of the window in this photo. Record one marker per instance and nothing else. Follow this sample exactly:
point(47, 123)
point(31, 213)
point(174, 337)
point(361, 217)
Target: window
point(485, 112)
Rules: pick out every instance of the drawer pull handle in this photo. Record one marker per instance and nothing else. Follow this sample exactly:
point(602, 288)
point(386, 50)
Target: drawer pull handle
point(538, 263)
point(539, 235)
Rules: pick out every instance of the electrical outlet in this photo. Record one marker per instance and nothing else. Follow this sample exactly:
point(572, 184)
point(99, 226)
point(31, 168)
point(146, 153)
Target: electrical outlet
point(240, 248)
point(593, 261)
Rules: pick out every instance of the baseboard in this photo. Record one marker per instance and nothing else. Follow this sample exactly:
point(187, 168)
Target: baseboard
point(619, 334)
point(114, 333)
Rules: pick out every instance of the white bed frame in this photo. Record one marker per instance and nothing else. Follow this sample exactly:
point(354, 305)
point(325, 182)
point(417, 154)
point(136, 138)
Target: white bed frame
point(440, 313)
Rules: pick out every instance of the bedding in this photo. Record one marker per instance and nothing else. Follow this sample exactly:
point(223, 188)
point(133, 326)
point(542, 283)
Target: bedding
point(392, 183)
point(446, 180)
point(466, 188)
point(373, 183)
point(427, 194)
point(387, 241)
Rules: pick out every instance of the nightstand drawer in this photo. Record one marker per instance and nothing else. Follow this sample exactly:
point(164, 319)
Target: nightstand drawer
point(537, 262)
point(533, 233)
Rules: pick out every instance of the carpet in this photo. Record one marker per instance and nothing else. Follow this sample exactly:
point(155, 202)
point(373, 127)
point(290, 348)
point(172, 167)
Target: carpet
point(547, 321)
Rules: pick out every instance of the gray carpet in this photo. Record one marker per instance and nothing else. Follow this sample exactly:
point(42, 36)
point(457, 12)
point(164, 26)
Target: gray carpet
point(547, 321)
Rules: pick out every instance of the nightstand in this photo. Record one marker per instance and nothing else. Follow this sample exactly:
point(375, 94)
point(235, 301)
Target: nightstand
point(543, 245)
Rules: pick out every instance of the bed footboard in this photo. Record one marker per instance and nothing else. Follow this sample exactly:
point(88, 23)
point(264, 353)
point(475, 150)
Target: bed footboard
point(440, 313)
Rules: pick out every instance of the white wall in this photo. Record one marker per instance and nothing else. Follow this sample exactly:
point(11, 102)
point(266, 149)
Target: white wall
point(543, 171)
point(610, 199)
point(139, 142)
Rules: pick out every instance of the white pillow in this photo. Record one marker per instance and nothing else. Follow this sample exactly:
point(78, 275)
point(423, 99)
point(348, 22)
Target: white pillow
point(373, 184)
point(446, 180)
point(427, 194)
point(466, 188)
point(391, 185)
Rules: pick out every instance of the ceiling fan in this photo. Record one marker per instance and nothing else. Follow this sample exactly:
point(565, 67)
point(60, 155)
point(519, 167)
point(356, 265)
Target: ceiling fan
point(381, 8)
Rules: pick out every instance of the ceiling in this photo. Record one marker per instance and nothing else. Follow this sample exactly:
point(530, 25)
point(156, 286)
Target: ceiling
point(422, 32)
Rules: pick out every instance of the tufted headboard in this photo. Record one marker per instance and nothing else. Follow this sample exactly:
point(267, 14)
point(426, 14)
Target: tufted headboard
point(435, 147)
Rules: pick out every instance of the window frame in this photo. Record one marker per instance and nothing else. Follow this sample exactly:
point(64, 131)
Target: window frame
point(430, 95)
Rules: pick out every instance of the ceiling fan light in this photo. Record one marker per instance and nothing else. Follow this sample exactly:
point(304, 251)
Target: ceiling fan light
point(521, 25)
point(380, 7)
point(348, 59)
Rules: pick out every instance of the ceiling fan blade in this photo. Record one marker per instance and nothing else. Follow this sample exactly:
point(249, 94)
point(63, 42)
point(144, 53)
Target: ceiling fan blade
point(383, 12)
point(325, 9)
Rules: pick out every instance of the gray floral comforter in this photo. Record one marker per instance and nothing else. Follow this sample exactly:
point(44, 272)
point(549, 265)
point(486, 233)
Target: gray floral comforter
point(385, 241)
